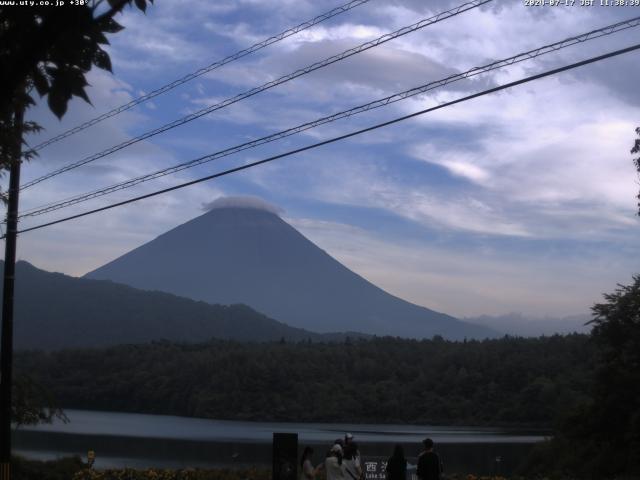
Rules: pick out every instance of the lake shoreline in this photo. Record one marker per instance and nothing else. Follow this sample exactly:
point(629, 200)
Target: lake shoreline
point(527, 427)
point(142, 441)
point(118, 423)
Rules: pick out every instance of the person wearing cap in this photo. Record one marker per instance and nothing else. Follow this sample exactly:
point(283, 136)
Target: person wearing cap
point(333, 465)
point(353, 468)
point(349, 441)
point(429, 463)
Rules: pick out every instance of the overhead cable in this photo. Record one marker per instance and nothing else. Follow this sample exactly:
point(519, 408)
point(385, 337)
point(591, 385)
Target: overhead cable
point(231, 58)
point(273, 83)
point(338, 138)
point(594, 34)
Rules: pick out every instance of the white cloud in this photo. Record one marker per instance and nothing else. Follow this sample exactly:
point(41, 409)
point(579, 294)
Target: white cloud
point(242, 202)
point(466, 281)
point(359, 182)
point(459, 163)
point(543, 162)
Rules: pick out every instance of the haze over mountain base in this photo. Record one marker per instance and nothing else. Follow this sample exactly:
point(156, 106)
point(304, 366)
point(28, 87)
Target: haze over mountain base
point(524, 326)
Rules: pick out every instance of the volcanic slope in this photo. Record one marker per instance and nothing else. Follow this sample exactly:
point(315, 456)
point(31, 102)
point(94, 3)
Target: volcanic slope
point(240, 254)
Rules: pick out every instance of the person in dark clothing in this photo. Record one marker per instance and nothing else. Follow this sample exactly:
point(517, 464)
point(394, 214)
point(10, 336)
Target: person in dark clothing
point(351, 462)
point(352, 456)
point(429, 464)
point(397, 464)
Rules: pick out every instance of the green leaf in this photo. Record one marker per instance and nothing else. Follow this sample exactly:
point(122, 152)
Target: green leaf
point(73, 82)
point(100, 38)
point(109, 25)
point(85, 58)
point(31, 127)
point(80, 92)
point(101, 60)
point(57, 102)
point(40, 82)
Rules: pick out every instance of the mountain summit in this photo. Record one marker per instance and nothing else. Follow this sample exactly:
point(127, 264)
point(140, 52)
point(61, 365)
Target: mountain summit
point(243, 252)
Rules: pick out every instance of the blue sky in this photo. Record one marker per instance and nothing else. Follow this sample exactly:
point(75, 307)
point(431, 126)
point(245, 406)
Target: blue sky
point(519, 201)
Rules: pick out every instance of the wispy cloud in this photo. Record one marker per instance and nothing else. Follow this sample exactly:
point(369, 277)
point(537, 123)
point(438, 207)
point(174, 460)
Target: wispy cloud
point(522, 200)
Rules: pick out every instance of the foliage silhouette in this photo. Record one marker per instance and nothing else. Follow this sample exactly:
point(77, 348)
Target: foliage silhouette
point(50, 50)
point(636, 161)
point(510, 381)
point(600, 438)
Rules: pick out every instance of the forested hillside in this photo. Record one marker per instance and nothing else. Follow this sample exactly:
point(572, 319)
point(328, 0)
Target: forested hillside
point(510, 381)
point(55, 311)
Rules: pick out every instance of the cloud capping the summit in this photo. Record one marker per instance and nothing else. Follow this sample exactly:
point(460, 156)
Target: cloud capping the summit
point(240, 201)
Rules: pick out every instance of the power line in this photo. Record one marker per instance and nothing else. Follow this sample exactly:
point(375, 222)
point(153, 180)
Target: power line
point(249, 93)
point(362, 108)
point(236, 56)
point(594, 34)
point(341, 137)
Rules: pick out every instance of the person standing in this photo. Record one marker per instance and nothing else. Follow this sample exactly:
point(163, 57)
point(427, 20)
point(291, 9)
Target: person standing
point(308, 471)
point(351, 462)
point(333, 465)
point(351, 447)
point(397, 464)
point(429, 463)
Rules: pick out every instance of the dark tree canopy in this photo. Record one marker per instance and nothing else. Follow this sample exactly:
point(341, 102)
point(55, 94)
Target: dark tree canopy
point(636, 161)
point(508, 381)
point(32, 403)
point(616, 407)
point(50, 50)
point(601, 438)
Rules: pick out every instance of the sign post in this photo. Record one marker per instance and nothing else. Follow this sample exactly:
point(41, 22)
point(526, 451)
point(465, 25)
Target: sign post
point(285, 456)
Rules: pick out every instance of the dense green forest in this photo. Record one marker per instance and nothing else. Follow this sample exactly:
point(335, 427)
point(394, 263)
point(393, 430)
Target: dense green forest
point(508, 381)
point(586, 386)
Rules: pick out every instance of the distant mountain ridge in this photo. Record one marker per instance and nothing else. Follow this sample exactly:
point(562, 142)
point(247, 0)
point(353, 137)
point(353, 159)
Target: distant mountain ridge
point(241, 254)
point(521, 325)
point(54, 311)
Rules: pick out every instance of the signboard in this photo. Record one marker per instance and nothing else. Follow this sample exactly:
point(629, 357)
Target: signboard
point(375, 468)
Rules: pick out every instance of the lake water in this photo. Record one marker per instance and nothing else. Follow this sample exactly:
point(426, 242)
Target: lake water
point(136, 440)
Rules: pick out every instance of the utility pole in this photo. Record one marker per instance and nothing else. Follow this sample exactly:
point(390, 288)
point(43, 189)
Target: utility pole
point(6, 342)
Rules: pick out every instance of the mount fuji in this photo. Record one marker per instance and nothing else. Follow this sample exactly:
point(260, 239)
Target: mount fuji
point(241, 251)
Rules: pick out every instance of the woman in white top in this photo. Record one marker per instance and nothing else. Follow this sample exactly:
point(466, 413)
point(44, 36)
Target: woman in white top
point(333, 465)
point(308, 471)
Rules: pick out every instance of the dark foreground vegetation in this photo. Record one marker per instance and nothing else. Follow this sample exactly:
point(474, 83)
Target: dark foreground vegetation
point(601, 437)
point(510, 381)
point(97, 313)
point(61, 469)
point(587, 387)
point(73, 468)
